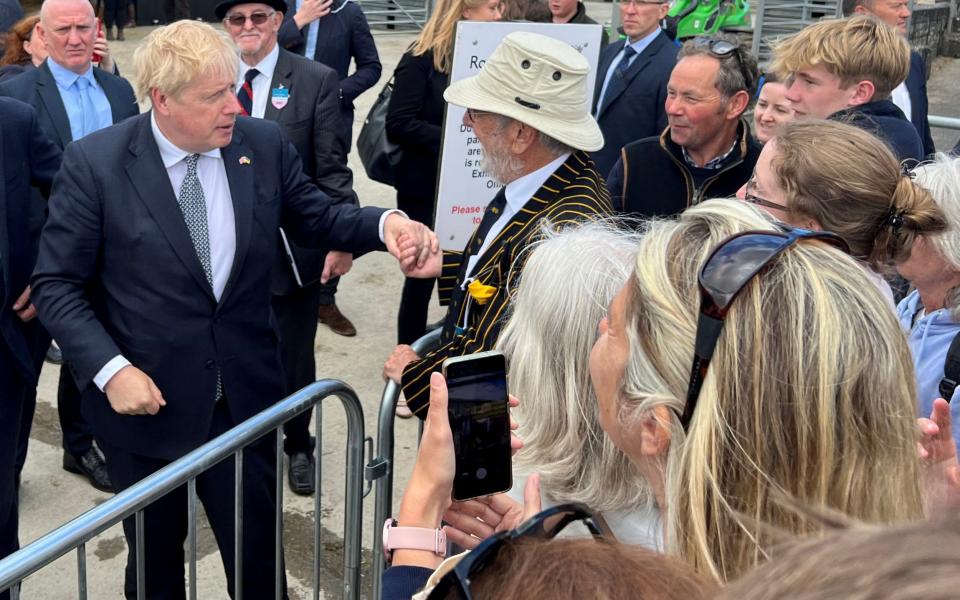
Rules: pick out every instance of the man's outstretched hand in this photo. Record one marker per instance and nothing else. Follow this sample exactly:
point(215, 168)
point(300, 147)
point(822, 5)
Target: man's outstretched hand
point(412, 243)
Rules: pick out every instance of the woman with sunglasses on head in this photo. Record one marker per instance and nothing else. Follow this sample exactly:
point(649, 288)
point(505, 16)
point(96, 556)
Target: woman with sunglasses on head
point(931, 313)
point(772, 110)
point(831, 176)
point(414, 121)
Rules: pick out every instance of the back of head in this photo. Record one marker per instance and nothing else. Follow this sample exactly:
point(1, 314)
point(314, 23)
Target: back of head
point(855, 49)
point(810, 392)
point(173, 56)
point(849, 182)
point(438, 33)
point(586, 568)
point(567, 283)
point(20, 32)
point(941, 178)
point(920, 561)
point(738, 69)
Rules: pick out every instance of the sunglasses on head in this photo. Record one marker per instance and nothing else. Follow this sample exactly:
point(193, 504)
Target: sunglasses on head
point(257, 18)
point(544, 526)
point(722, 49)
point(731, 266)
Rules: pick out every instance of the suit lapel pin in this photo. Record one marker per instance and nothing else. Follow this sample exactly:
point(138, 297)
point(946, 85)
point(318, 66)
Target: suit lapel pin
point(244, 160)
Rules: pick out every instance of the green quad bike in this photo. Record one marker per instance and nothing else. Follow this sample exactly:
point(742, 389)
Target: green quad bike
point(690, 18)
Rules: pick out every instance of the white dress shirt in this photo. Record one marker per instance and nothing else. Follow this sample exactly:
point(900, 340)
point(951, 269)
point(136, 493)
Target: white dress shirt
point(260, 83)
point(901, 97)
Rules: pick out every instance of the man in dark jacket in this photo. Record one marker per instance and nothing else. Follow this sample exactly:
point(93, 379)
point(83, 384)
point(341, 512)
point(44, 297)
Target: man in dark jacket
point(707, 150)
point(830, 77)
point(911, 95)
point(573, 11)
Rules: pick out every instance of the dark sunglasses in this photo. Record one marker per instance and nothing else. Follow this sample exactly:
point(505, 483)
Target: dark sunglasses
point(728, 270)
point(545, 526)
point(722, 49)
point(257, 18)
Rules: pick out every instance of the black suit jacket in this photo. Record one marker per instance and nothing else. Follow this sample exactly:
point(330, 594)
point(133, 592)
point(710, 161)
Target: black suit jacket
point(118, 275)
point(311, 121)
point(638, 111)
point(38, 88)
point(341, 37)
point(917, 88)
point(27, 157)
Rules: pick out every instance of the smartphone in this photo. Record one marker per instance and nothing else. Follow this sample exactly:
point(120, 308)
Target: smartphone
point(480, 421)
point(96, 58)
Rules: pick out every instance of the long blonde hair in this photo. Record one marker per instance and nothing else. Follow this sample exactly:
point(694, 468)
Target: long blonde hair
point(441, 29)
point(566, 285)
point(810, 392)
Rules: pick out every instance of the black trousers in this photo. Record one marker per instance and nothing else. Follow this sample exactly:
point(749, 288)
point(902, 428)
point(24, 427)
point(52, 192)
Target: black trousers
point(115, 11)
point(77, 437)
point(296, 317)
point(12, 389)
point(415, 298)
point(165, 521)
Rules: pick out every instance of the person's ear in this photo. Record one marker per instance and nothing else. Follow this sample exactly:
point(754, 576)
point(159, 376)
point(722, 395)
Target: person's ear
point(525, 137)
point(159, 101)
point(737, 105)
point(655, 432)
point(863, 92)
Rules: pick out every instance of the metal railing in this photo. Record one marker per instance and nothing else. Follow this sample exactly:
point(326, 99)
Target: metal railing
point(943, 122)
point(380, 468)
point(132, 501)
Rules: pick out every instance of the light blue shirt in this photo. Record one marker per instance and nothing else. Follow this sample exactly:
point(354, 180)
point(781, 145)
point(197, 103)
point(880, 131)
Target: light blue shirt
point(312, 30)
point(638, 46)
point(87, 109)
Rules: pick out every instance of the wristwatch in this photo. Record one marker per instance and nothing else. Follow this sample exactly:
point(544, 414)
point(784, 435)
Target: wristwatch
point(412, 538)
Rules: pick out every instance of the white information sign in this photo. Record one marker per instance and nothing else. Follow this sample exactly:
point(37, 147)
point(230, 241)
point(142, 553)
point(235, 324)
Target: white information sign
point(464, 189)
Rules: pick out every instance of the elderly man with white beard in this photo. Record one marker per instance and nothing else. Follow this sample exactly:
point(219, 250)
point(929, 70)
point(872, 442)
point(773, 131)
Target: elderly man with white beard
point(530, 110)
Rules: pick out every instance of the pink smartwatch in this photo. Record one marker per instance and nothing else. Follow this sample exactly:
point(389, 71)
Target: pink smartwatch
point(412, 538)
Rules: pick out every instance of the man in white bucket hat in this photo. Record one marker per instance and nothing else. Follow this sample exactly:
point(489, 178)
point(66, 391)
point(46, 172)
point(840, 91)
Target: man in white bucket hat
point(530, 110)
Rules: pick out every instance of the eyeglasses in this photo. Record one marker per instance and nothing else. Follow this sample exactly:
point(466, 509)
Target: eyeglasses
point(545, 526)
point(722, 49)
point(748, 196)
point(473, 113)
point(257, 18)
point(731, 266)
point(639, 3)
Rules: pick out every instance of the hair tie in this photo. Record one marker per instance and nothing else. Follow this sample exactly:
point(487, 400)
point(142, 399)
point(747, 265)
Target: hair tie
point(895, 218)
point(907, 170)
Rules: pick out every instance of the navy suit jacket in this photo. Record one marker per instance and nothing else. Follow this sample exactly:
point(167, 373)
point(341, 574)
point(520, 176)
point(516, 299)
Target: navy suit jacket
point(917, 88)
point(341, 37)
point(37, 88)
point(118, 274)
point(27, 157)
point(638, 112)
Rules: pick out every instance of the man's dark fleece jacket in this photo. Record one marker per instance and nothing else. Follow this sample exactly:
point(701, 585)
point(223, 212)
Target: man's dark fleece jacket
point(885, 120)
point(652, 179)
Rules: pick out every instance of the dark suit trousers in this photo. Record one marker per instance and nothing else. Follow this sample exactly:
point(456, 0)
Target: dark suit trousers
point(165, 521)
point(415, 298)
point(296, 316)
point(77, 438)
point(12, 389)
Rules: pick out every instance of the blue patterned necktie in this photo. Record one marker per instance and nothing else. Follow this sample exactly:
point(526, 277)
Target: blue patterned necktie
point(193, 205)
point(618, 81)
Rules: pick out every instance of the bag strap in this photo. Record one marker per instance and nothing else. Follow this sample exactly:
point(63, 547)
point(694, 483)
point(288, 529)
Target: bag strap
point(951, 370)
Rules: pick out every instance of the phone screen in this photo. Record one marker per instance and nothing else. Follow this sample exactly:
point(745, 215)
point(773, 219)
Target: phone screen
point(480, 420)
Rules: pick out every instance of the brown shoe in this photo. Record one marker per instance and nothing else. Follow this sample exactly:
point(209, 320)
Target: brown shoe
point(120, 36)
point(109, 34)
point(331, 316)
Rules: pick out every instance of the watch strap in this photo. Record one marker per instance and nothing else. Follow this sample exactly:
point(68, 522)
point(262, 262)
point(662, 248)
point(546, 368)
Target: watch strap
point(396, 537)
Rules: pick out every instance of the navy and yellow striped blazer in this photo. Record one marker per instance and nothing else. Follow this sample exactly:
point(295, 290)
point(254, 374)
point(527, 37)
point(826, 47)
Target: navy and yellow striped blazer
point(574, 192)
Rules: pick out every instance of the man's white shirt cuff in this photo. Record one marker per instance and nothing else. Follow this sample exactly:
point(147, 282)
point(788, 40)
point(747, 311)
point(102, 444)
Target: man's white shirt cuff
point(383, 219)
point(109, 370)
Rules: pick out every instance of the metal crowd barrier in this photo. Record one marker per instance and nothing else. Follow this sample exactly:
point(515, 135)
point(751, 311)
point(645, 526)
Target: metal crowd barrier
point(132, 501)
point(380, 468)
point(943, 122)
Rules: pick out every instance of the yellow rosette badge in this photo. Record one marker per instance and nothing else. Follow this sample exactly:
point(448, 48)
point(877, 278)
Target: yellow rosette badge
point(481, 293)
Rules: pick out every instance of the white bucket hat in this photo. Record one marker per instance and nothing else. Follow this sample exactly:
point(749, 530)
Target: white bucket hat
point(539, 81)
